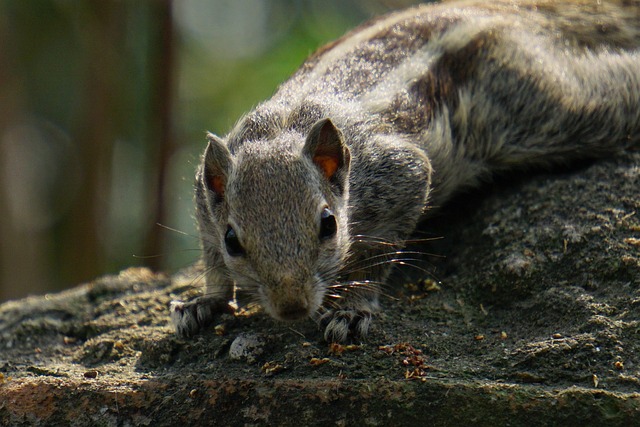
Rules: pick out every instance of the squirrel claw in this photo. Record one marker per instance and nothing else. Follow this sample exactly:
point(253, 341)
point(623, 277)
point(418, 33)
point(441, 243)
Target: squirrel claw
point(340, 325)
point(189, 318)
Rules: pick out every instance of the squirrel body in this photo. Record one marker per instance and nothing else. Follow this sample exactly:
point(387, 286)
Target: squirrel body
point(305, 200)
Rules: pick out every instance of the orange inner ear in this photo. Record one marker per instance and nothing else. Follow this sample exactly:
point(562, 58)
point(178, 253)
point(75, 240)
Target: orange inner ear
point(217, 184)
point(328, 164)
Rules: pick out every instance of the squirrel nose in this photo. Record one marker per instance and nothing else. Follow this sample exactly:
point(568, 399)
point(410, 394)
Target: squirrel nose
point(292, 303)
point(289, 299)
point(294, 310)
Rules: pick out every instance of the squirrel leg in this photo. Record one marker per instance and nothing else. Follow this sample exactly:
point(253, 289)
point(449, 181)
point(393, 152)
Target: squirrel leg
point(189, 318)
point(358, 298)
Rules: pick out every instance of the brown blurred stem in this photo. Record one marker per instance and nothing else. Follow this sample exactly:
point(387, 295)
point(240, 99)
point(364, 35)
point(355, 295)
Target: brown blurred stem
point(162, 145)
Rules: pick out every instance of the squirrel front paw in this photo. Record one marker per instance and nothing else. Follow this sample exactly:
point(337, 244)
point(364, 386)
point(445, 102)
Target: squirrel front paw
point(189, 318)
point(344, 324)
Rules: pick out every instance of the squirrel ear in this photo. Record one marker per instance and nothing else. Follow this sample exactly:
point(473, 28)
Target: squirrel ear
point(325, 145)
point(217, 162)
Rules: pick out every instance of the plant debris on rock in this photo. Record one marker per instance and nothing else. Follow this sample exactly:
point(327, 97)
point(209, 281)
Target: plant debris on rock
point(527, 312)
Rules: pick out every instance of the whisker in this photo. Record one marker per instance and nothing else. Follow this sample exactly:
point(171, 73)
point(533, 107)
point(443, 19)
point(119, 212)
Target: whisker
point(405, 263)
point(207, 239)
point(148, 256)
point(361, 238)
point(247, 284)
point(408, 262)
point(386, 258)
point(359, 285)
point(424, 239)
point(297, 332)
point(164, 254)
point(328, 303)
point(398, 252)
point(175, 230)
point(364, 238)
point(197, 277)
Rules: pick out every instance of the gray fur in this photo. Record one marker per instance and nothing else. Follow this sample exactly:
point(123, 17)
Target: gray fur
point(426, 102)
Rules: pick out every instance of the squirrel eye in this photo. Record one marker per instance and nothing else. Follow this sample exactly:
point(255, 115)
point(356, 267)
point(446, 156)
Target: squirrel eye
point(328, 225)
point(232, 243)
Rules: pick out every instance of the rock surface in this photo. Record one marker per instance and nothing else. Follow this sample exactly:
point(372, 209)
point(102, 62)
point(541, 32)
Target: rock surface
point(534, 319)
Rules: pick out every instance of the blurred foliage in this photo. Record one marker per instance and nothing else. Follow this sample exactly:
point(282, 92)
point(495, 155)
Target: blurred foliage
point(103, 109)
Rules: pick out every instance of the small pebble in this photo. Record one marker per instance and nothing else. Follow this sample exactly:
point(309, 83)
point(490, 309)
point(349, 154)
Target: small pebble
point(247, 347)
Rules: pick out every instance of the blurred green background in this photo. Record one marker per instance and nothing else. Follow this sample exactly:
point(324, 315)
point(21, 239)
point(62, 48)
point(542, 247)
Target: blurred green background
point(103, 111)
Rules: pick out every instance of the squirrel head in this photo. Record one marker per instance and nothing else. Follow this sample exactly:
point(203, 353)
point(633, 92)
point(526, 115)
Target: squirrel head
point(278, 208)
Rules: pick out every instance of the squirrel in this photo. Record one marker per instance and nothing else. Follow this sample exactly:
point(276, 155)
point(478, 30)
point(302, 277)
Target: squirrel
point(304, 202)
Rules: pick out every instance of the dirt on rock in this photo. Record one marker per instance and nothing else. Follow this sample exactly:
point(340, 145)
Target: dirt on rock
point(527, 312)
